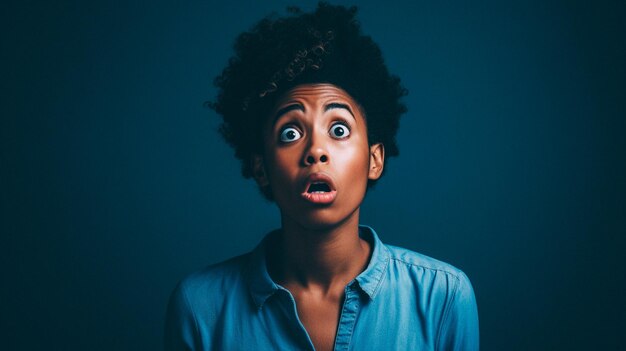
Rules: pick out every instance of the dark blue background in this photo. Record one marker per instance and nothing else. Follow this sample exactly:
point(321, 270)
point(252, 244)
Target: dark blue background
point(115, 183)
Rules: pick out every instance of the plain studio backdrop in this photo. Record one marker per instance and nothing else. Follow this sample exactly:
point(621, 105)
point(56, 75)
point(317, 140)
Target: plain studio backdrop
point(115, 183)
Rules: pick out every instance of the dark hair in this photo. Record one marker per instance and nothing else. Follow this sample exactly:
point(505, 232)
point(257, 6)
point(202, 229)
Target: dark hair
point(325, 46)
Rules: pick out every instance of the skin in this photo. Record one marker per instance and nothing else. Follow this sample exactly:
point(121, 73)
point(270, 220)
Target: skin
point(319, 250)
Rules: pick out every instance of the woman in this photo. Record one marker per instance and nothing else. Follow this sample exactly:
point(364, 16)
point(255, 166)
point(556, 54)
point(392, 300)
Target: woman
point(312, 113)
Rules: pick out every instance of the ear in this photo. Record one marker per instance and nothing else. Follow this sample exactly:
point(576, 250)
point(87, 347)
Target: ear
point(377, 161)
point(258, 171)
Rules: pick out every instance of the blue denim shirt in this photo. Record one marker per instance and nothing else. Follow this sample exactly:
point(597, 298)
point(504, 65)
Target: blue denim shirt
point(402, 301)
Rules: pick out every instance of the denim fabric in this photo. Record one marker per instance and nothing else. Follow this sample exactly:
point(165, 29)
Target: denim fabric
point(402, 301)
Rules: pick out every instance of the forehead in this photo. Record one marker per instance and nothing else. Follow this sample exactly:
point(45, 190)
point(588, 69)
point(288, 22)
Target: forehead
point(316, 95)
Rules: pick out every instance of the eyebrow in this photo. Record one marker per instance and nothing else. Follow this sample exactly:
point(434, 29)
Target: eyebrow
point(287, 109)
point(333, 105)
point(299, 107)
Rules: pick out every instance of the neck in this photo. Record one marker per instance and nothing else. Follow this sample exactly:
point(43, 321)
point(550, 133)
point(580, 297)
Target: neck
point(320, 258)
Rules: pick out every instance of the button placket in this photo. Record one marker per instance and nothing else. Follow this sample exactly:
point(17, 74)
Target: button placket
point(347, 320)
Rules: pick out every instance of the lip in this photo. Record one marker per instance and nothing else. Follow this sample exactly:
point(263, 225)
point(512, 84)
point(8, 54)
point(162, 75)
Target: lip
point(319, 198)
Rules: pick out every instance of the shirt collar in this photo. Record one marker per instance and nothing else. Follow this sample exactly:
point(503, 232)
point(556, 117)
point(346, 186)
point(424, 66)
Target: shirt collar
point(262, 286)
point(372, 277)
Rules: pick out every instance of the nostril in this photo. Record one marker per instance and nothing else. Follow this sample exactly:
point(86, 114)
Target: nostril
point(323, 158)
point(310, 160)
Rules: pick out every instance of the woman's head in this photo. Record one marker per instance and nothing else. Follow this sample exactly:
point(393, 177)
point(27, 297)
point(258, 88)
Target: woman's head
point(280, 53)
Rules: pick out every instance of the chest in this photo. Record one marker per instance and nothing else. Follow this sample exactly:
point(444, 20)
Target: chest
point(356, 323)
point(320, 319)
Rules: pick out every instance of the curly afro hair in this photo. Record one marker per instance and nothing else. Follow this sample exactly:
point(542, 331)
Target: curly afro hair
point(277, 54)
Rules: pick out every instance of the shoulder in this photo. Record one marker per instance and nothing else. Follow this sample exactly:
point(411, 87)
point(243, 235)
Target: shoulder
point(417, 261)
point(213, 279)
point(428, 275)
point(198, 299)
point(447, 290)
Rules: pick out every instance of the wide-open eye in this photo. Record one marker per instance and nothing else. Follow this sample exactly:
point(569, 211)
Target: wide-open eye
point(289, 134)
point(339, 131)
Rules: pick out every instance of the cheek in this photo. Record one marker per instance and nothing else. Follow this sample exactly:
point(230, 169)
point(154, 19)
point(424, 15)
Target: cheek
point(281, 164)
point(354, 161)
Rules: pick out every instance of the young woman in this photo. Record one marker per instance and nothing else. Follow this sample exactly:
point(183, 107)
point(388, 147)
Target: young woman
point(312, 112)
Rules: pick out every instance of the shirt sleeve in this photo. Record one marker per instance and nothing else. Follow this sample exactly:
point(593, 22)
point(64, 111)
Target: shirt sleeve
point(180, 323)
point(459, 328)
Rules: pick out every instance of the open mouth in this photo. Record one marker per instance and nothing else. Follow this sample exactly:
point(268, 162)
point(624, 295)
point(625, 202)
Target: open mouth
point(318, 187)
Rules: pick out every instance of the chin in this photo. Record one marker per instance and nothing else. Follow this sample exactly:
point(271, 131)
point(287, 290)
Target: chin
point(322, 219)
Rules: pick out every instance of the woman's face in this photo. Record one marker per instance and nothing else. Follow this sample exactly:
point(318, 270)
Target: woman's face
point(317, 159)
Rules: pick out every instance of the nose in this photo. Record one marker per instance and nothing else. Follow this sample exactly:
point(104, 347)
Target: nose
point(315, 153)
point(311, 159)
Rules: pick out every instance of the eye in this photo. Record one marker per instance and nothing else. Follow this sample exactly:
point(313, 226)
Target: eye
point(339, 131)
point(289, 134)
